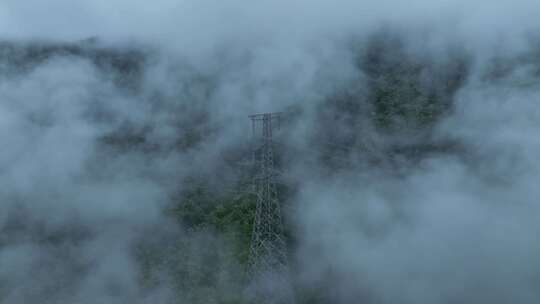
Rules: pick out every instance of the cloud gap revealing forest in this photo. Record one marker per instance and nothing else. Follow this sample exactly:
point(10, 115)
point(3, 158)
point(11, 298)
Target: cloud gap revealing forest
point(402, 166)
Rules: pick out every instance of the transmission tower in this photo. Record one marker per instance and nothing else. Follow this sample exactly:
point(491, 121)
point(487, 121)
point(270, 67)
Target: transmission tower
point(267, 266)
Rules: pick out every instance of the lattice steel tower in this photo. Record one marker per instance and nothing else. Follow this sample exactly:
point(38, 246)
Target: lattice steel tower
point(268, 266)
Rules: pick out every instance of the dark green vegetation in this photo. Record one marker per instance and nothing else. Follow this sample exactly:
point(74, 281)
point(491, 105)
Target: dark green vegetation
point(383, 119)
point(205, 257)
point(125, 66)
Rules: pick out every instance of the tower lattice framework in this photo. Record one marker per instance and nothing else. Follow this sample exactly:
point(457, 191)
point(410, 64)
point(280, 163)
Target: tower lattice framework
point(268, 249)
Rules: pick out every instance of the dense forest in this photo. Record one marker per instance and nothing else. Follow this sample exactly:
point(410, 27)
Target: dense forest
point(126, 171)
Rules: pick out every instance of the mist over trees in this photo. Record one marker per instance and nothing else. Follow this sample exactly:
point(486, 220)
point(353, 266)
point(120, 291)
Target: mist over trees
point(408, 152)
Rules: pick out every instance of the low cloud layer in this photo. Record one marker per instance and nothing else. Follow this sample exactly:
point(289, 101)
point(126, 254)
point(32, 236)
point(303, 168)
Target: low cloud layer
point(99, 136)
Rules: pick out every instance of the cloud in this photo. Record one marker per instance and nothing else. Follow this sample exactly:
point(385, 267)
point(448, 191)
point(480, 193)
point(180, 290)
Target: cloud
point(456, 227)
point(452, 226)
